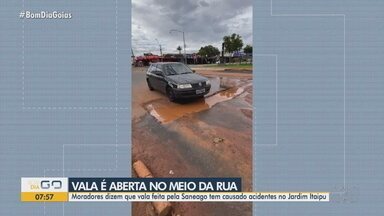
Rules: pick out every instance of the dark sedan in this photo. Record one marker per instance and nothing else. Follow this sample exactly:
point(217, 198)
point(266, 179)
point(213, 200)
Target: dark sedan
point(176, 80)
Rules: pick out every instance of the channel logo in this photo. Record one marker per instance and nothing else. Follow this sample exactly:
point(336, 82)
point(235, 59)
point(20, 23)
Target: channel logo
point(44, 185)
point(48, 184)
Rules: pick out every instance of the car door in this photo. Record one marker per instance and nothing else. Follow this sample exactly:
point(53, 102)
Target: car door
point(162, 82)
point(151, 76)
point(157, 78)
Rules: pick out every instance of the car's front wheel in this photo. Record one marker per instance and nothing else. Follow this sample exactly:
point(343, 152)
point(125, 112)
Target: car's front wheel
point(170, 94)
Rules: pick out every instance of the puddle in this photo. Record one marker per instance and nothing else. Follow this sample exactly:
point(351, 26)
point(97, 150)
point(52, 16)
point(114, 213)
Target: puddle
point(222, 89)
point(215, 86)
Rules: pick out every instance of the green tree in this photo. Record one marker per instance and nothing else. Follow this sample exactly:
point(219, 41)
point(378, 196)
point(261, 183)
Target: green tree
point(208, 51)
point(248, 49)
point(233, 43)
point(179, 49)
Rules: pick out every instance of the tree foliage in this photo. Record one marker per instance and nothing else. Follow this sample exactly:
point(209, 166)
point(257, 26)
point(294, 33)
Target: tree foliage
point(248, 49)
point(208, 51)
point(233, 43)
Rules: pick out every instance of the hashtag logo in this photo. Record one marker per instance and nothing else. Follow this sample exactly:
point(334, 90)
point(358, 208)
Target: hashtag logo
point(22, 14)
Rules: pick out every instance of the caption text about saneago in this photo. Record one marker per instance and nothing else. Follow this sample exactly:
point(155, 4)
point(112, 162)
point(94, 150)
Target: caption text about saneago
point(201, 197)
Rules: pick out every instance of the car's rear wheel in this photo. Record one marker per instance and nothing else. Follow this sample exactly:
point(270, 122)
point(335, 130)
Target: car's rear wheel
point(149, 85)
point(170, 94)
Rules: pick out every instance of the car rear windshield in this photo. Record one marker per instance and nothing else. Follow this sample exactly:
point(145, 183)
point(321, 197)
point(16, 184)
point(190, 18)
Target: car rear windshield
point(176, 69)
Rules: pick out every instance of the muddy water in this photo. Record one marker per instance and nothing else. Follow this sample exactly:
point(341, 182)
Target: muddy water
point(222, 89)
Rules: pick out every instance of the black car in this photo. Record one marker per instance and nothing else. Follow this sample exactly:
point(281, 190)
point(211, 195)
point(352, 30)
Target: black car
point(176, 80)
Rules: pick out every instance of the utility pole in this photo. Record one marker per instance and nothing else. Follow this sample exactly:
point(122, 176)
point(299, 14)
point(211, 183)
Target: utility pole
point(132, 57)
point(185, 53)
point(161, 50)
point(185, 46)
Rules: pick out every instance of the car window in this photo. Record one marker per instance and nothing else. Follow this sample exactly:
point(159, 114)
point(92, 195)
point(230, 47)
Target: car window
point(176, 69)
point(153, 68)
point(150, 69)
point(159, 68)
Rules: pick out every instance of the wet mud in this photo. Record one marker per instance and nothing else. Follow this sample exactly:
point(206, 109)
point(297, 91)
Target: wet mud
point(222, 89)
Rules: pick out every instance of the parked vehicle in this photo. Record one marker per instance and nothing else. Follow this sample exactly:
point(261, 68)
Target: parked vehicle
point(146, 59)
point(177, 80)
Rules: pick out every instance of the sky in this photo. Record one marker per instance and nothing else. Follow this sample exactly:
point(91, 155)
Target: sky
point(205, 22)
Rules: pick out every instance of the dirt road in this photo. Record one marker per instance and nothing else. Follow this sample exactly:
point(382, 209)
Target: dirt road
point(209, 137)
